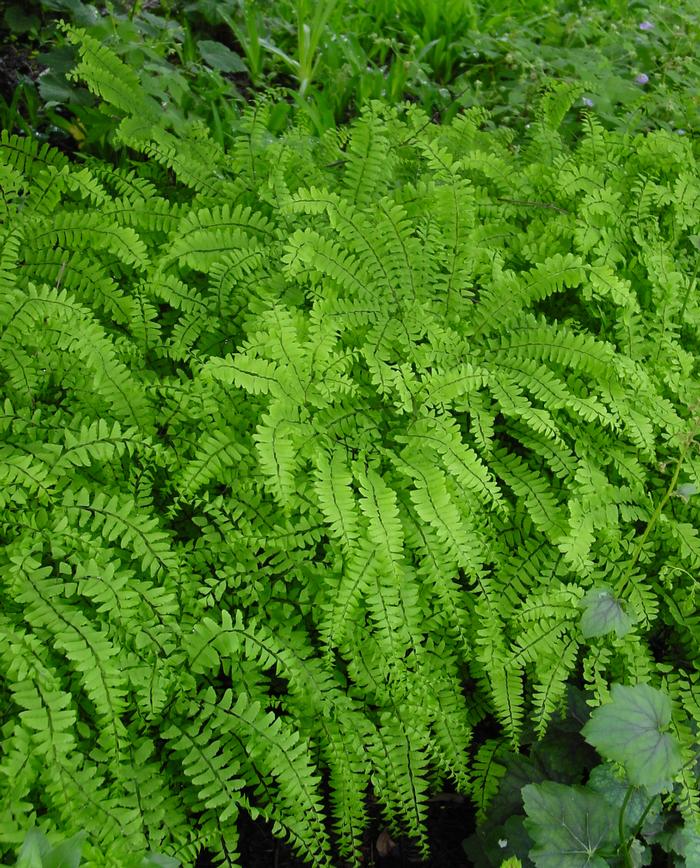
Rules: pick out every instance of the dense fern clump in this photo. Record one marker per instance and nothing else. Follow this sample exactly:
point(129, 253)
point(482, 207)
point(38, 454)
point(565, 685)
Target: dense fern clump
point(317, 453)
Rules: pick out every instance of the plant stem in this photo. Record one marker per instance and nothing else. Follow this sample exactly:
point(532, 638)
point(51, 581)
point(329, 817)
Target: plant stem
point(638, 827)
point(624, 846)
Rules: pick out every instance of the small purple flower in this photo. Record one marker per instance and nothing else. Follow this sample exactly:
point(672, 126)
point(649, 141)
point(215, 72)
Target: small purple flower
point(642, 78)
point(646, 25)
point(587, 101)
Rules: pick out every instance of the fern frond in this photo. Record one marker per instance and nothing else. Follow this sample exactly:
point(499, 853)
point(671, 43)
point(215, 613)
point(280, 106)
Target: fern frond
point(282, 758)
point(367, 154)
point(204, 236)
point(216, 453)
point(91, 230)
point(28, 156)
point(398, 777)
point(530, 340)
point(108, 76)
point(487, 773)
point(441, 434)
point(276, 443)
point(332, 483)
point(115, 518)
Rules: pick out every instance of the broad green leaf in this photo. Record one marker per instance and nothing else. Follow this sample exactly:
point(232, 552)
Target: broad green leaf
point(630, 730)
point(36, 851)
point(570, 826)
point(34, 846)
point(19, 20)
point(82, 14)
point(602, 614)
point(220, 56)
point(67, 854)
point(640, 854)
point(683, 841)
point(54, 88)
point(495, 842)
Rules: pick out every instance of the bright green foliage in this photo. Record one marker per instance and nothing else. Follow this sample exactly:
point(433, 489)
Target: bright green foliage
point(299, 436)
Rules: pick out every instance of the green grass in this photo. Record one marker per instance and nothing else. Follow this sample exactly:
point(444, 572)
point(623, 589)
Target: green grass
point(208, 59)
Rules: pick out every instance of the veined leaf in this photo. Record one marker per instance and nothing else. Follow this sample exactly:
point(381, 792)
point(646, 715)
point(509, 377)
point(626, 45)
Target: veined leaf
point(570, 826)
point(603, 613)
point(631, 731)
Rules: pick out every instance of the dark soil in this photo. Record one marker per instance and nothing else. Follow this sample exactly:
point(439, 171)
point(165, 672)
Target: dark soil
point(16, 65)
point(450, 821)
